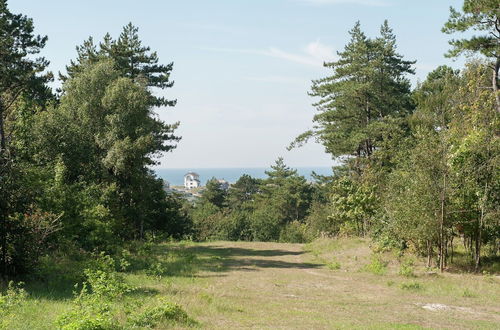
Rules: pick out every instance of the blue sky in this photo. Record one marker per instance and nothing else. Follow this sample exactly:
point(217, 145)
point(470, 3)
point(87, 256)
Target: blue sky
point(242, 68)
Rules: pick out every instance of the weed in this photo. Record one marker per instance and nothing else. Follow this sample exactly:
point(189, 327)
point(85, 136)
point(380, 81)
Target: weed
point(157, 269)
point(206, 297)
point(89, 312)
point(390, 283)
point(468, 294)
point(164, 311)
point(333, 265)
point(411, 286)
point(14, 297)
point(377, 266)
point(406, 268)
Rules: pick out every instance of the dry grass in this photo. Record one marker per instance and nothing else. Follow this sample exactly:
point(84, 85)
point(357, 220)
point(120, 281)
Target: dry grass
point(283, 286)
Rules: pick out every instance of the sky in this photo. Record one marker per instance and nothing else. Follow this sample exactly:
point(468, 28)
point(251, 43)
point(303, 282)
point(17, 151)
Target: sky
point(243, 68)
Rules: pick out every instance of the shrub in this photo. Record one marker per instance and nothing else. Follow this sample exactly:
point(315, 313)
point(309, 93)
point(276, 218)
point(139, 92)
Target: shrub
point(334, 265)
point(406, 268)
point(103, 280)
point(14, 297)
point(412, 286)
point(29, 238)
point(468, 294)
point(89, 312)
point(377, 266)
point(266, 223)
point(165, 311)
point(294, 232)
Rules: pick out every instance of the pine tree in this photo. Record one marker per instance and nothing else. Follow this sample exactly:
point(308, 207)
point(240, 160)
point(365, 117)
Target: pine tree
point(131, 58)
point(20, 73)
point(478, 15)
point(367, 89)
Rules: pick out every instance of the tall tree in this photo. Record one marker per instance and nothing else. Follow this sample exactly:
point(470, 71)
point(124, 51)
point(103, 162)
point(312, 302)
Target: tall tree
point(367, 88)
point(478, 15)
point(214, 193)
point(131, 59)
point(20, 73)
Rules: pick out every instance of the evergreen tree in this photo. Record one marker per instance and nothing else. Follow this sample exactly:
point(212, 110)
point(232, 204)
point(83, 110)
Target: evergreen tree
point(131, 59)
point(214, 193)
point(243, 191)
point(288, 192)
point(478, 15)
point(20, 74)
point(367, 89)
point(105, 134)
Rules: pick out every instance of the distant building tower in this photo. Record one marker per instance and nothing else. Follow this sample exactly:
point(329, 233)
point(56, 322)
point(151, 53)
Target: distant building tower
point(191, 180)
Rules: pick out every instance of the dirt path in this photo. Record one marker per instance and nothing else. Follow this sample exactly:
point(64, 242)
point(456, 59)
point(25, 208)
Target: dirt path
point(279, 286)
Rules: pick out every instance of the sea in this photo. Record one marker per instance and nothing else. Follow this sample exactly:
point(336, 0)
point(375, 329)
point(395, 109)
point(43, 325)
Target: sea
point(175, 176)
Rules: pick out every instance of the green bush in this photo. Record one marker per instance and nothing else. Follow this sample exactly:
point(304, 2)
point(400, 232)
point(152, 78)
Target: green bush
point(333, 265)
point(377, 266)
point(103, 280)
point(411, 286)
point(14, 297)
point(89, 312)
point(165, 311)
point(266, 223)
point(294, 232)
point(406, 268)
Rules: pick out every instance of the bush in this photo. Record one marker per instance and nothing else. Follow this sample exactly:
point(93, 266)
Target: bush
point(319, 221)
point(333, 265)
point(14, 297)
point(103, 280)
point(412, 286)
point(266, 223)
point(406, 268)
point(89, 312)
point(28, 239)
point(295, 232)
point(377, 266)
point(166, 311)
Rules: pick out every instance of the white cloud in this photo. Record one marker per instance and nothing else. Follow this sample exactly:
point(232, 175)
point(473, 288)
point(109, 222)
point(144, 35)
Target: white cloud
point(373, 3)
point(314, 54)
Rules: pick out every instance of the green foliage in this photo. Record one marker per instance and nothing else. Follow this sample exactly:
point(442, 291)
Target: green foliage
point(477, 15)
point(319, 221)
point(243, 191)
point(266, 223)
point(353, 204)
point(365, 91)
point(376, 266)
point(411, 286)
point(333, 265)
point(295, 232)
point(163, 311)
point(89, 312)
point(466, 293)
point(214, 193)
point(131, 59)
point(406, 268)
point(14, 297)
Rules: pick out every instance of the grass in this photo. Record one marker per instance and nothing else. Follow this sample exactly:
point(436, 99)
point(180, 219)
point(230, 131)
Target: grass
point(222, 285)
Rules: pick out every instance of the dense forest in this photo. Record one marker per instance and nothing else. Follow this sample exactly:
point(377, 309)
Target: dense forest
point(420, 167)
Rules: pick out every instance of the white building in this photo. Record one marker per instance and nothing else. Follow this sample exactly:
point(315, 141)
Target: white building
point(191, 180)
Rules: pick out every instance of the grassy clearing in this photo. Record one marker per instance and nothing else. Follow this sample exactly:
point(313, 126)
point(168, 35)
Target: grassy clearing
point(325, 284)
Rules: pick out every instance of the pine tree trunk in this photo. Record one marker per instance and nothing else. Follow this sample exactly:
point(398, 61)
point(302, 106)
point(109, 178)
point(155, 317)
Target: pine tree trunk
point(494, 83)
point(3, 220)
point(429, 254)
point(441, 228)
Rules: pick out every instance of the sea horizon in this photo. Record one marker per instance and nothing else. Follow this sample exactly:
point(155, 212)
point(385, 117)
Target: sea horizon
point(175, 176)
